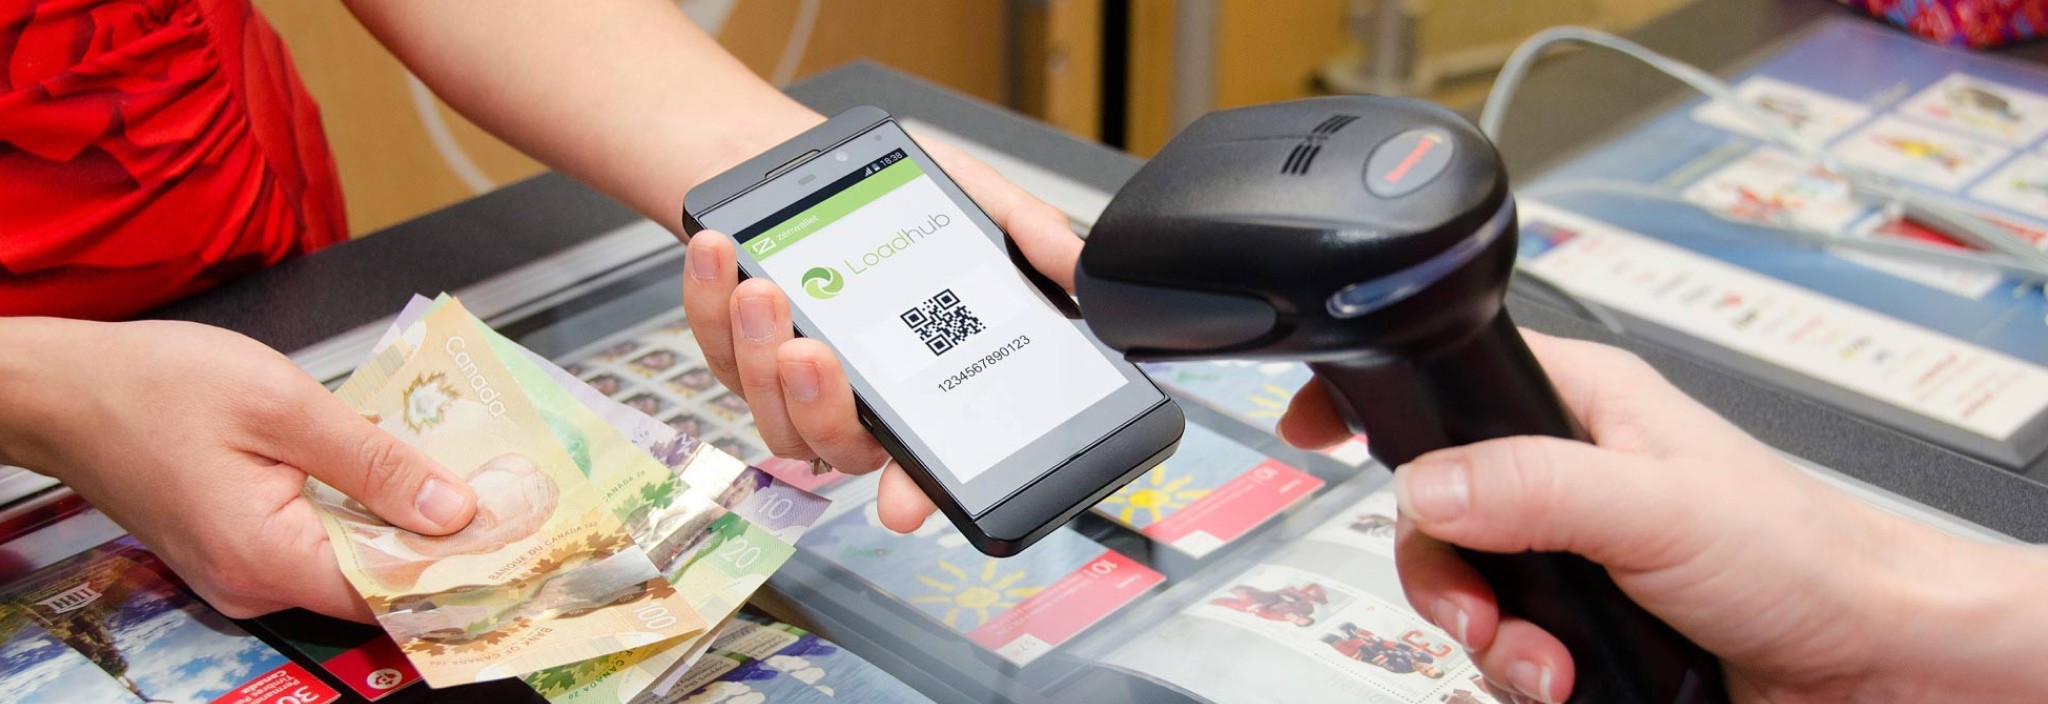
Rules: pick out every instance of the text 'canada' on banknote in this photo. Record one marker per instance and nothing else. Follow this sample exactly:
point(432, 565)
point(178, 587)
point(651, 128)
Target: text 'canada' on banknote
point(546, 574)
point(716, 527)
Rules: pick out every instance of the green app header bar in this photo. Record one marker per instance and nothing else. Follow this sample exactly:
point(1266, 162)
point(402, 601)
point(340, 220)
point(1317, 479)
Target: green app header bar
point(811, 220)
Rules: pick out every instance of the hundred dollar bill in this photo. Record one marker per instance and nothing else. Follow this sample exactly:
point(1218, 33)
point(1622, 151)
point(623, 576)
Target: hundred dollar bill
point(733, 560)
point(722, 567)
point(545, 575)
point(729, 525)
point(721, 564)
point(758, 521)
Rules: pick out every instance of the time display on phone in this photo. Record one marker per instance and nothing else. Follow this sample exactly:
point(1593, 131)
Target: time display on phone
point(884, 162)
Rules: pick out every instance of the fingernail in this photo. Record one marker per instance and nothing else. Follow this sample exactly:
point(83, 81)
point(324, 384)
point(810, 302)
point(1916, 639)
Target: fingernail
point(801, 380)
point(757, 319)
point(1438, 491)
point(1453, 620)
point(1532, 680)
point(703, 264)
point(439, 503)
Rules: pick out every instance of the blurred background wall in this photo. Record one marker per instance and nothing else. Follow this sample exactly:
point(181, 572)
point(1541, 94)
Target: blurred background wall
point(1127, 72)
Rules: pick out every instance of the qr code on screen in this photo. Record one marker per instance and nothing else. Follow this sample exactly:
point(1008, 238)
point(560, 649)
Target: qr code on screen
point(941, 322)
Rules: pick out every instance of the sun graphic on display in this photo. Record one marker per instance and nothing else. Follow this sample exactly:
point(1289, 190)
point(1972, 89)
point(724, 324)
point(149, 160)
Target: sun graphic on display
point(1270, 401)
point(978, 597)
point(1153, 497)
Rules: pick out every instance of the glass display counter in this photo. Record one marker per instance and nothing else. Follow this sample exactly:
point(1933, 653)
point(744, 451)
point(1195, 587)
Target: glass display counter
point(1241, 570)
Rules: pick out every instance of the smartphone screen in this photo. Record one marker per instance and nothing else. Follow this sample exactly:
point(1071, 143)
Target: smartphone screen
point(886, 260)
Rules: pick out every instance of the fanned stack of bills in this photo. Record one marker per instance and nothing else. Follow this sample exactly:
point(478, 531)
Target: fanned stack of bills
point(605, 548)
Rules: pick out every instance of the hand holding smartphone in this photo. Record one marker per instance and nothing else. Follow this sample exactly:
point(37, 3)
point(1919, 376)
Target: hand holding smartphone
point(969, 369)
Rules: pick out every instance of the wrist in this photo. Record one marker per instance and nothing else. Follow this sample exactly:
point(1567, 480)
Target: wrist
point(751, 125)
point(24, 386)
point(1962, 608)
point(754, 130)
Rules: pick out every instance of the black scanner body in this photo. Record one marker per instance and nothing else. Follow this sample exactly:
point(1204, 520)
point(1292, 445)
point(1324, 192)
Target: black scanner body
point(1373, 238)
point(1232, 183)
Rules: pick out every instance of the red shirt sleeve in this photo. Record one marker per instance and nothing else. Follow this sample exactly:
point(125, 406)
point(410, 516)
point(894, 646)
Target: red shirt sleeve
point(150, 149)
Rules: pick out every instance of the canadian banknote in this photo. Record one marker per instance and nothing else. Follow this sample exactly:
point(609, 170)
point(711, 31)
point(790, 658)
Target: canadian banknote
point(717, 527)
point(754, 523)
point(733, 561)
point(547, 574)
point(703, 472)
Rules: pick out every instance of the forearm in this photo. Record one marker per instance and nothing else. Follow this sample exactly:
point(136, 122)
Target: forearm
point(625, 95)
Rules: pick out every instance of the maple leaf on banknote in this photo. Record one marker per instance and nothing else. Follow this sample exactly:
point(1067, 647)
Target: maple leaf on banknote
point(490, 641)
point(481, 642)
point(662, 495)
point(594, 549)
point(558, 680)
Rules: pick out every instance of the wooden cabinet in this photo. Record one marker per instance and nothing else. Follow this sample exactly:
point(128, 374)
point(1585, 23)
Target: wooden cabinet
point(1255, 51)
point(1141, 68)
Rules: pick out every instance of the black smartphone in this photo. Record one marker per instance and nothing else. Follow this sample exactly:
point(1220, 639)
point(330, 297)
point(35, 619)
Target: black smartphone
point(971, 368)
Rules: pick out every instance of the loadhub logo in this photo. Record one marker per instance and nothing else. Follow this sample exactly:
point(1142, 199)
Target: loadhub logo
point(823, 282)
point(897, 243)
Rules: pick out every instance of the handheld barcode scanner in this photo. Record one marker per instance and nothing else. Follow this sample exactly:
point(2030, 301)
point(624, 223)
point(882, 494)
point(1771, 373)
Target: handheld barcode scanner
point(1372, 237)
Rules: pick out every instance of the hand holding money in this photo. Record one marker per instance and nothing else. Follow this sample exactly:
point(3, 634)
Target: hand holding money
point(604, 543)
point(197, 440)
point(546, 576)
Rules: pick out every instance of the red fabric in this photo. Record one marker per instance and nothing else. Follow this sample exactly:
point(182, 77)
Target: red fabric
point(150, 149)
point(1974, 23)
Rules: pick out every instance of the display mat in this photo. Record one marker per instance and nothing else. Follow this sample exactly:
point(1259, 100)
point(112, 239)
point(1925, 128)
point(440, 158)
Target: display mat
point(1668, 225)
point(111, 624)
point(1322, 614)
point(1216, 546)
point(1233, 483)
point(846, 584)
point(755, 660)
